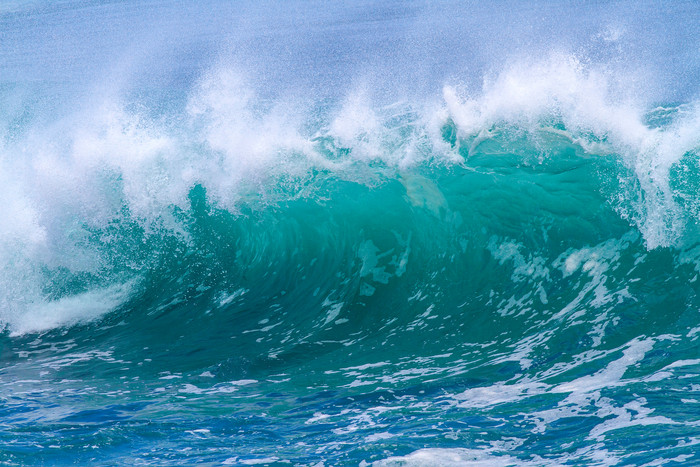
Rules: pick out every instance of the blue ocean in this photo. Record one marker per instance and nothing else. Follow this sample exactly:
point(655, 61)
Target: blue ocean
point(307, 233)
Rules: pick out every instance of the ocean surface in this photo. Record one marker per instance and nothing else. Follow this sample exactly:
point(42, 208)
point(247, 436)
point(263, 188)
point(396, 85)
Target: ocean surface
point(349, 233)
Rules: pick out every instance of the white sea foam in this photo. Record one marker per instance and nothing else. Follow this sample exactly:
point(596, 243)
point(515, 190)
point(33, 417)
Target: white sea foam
point(229, 141)
point(453, 458)
point(70, 310)
point(593, 110)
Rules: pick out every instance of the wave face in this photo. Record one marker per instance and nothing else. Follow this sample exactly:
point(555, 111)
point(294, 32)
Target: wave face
point(349, 235)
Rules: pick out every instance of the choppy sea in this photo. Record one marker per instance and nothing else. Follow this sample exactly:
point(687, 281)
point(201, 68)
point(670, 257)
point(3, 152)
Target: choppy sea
point(349, 233)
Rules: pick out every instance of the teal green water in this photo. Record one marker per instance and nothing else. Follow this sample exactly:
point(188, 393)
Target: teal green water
point(396, 233)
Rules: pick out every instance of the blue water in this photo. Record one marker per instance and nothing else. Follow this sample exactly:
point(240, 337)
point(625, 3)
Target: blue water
point(397, 233)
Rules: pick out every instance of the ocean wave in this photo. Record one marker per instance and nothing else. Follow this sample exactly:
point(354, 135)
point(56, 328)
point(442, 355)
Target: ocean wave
point(392, 233)
point(77, 189)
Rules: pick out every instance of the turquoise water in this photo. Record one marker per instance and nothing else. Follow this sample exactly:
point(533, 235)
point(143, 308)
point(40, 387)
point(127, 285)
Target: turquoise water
point(352, 235)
